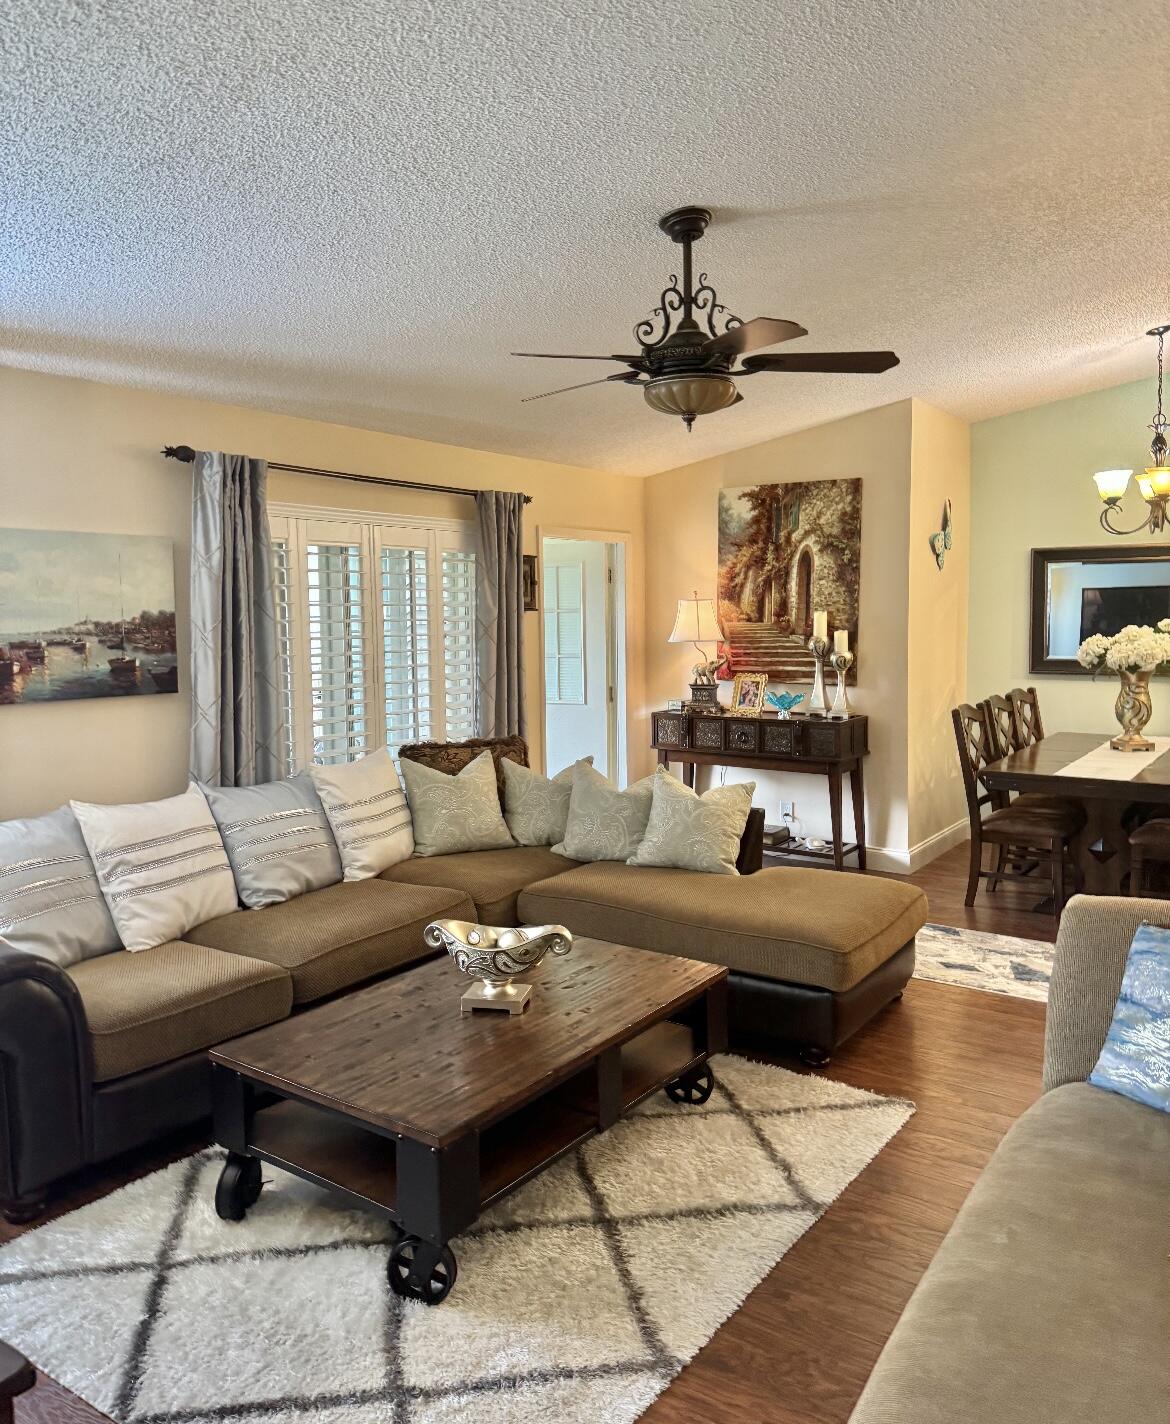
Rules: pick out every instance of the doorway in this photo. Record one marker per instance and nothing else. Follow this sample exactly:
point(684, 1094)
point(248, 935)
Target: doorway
point(804, 581)
point(583, 626)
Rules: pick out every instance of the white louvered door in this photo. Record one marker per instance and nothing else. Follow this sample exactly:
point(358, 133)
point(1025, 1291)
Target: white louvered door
point(377, 626)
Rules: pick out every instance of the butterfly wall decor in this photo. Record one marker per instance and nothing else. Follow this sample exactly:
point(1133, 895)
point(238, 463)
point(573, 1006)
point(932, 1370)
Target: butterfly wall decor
point(941, 542)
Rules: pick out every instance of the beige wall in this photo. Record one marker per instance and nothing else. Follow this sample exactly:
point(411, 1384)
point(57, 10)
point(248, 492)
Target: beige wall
point(80, 455)
point(1032, 487)
point(940, 462)
point(681, 555)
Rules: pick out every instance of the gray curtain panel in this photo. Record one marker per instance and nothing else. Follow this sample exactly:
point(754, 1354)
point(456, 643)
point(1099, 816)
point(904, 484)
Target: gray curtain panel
point(499, 613)
point(236, 733)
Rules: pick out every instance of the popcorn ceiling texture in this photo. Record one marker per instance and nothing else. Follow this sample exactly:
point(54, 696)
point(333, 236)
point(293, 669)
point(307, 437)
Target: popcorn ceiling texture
point(353, 211)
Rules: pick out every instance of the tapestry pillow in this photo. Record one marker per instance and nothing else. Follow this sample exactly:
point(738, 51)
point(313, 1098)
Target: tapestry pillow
point(1135, 1060)
point(51, 903)
point(693, 832)
point(367, 809)
point(277, 839)
point(603, 822)
point(161, 865)
point(536, 807)
point(455, 813)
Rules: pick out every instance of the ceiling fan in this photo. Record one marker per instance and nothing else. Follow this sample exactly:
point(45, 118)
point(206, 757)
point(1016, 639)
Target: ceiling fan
point(685, 368)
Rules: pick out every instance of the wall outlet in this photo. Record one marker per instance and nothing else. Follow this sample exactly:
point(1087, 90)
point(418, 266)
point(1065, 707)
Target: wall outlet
point(787, 810)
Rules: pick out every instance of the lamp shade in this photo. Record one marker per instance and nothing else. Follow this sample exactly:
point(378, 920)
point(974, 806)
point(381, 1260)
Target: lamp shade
point(695, 622)
point(1111, 484)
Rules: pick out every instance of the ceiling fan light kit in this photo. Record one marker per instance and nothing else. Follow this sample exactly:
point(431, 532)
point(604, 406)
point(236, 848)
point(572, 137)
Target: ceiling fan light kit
point(1154, 481)
point(690, 342)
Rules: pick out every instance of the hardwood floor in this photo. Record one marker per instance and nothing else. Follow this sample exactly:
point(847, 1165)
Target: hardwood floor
point(802, 1346)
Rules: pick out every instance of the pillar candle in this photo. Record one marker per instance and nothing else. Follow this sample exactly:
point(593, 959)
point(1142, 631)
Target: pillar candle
point(821, 625)
point(841, 640)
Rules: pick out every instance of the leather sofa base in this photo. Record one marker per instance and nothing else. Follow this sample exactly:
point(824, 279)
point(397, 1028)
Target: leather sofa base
point(812, 1021)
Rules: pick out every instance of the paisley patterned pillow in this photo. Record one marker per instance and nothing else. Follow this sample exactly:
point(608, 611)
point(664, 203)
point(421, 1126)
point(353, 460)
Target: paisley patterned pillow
point(455, 813)
point(1135, 1060)
point(535, 807)
point(691, 832)
point(604, 823)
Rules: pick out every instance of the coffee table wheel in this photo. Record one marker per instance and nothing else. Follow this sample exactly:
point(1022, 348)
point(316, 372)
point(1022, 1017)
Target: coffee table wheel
point(420, 1271)
point(692, 1088)
point(238, 1187)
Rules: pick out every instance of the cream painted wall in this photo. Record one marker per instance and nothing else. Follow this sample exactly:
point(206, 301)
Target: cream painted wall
point(1032, 487)
point(81, 455)
point(940, 469)
point(681, 556)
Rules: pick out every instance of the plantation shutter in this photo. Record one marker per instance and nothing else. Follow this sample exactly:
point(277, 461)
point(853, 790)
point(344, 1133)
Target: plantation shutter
point(406, 661)
point(282, 594)
point(336, 582)
point(564, 634)
point(459, 657)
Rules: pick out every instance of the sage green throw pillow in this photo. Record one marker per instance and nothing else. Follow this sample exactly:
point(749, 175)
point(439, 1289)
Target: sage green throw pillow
point(690, 832)
point(536, 807)
point(455, 813)
point(604, 823)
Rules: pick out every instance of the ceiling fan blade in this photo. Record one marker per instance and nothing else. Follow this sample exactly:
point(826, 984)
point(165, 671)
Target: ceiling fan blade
point(736, 401)
point(760, 331)
point(623, 377)
point(859, 362)
point(570, 356)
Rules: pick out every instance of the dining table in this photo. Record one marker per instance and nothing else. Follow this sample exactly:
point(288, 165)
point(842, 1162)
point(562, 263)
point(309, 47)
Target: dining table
point(1110, 785)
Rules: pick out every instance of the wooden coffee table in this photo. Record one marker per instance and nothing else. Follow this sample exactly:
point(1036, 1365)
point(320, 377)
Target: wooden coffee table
point(396, 1102)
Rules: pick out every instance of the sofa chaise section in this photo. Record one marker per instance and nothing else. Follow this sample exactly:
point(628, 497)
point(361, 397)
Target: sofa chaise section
point(332, 939)
point(813, 955)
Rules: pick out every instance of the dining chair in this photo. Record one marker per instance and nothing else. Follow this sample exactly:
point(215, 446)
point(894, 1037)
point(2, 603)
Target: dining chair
point(1150, 841)
point(1029, 724)
point(1020, 832)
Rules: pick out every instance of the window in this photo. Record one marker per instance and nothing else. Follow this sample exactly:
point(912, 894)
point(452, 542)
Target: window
point(376, 621)
point(564, 634)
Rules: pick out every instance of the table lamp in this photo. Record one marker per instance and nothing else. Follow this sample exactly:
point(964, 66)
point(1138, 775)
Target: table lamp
point(695, 622)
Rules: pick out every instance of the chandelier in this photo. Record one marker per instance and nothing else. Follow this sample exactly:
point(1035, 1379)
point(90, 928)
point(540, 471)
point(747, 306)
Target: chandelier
point(1153, 482)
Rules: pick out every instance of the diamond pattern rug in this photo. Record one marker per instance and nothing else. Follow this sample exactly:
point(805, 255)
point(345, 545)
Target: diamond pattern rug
point(578, 1298)
point(997, 964)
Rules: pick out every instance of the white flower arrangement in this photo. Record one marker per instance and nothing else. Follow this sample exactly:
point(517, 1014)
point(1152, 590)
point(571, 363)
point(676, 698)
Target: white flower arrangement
point(1134, 649)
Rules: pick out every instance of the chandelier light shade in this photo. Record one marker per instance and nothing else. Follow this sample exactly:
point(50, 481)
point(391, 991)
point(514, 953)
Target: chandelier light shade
point(695, 622)
point(690, 396)
point(1154, 481)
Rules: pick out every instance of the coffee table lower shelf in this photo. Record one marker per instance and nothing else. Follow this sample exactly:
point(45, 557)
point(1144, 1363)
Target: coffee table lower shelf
point(429, 1192)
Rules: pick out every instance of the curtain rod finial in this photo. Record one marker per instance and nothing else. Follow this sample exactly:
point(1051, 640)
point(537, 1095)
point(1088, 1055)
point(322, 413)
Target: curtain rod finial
point(179, 452)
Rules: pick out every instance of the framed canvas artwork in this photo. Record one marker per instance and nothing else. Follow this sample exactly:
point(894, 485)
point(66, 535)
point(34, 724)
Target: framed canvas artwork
point(786, 550)
point(85, 615)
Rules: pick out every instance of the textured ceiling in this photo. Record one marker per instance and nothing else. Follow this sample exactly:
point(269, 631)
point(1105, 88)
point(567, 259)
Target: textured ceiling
point(354, 210)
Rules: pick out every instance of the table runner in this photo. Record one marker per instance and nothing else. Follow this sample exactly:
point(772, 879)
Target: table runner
point(1105, 764)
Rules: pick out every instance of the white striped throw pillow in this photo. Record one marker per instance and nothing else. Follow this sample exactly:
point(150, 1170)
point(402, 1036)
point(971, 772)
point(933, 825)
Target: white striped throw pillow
point(367, 809)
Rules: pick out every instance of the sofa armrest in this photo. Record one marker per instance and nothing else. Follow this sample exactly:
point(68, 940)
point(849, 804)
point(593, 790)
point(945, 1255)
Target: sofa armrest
point(1091, 948)
point(46, 1076)
point(751, 844)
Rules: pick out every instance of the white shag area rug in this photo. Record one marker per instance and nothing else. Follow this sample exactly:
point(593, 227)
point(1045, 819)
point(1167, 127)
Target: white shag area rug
point(578, 1298)
point(998, 964)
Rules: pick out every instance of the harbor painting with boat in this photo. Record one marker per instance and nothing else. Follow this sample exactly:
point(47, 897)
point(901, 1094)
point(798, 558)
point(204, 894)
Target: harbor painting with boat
point(85, 615)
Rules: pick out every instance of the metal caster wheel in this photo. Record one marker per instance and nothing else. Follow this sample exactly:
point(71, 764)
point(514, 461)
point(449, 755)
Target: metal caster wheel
point(419, 1271)
point(238, 1187)
point(693, 1088)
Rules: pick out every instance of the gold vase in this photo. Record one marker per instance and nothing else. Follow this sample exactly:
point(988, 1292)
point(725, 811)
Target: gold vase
point(1134, 710)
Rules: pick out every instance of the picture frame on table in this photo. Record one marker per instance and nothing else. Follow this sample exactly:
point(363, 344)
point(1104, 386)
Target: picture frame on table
point(747, 694)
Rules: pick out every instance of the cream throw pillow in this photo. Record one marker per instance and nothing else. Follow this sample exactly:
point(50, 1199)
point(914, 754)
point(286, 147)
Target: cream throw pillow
point(455, 813)
point(604, 823)
point(161, 865)
point(536, 807)
point(691, 832)
point(368, 813)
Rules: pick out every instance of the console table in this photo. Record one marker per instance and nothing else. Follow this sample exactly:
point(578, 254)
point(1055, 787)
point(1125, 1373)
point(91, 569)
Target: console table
point(824, 746)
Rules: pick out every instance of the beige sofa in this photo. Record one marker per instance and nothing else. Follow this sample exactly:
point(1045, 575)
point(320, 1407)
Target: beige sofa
point(1049, 1300)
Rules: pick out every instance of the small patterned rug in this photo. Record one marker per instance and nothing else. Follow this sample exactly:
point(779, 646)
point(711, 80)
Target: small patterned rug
point(578, 1298)
point(998, 964)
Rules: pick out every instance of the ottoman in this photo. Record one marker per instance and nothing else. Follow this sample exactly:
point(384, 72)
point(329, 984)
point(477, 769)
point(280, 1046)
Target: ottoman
point(813, 954)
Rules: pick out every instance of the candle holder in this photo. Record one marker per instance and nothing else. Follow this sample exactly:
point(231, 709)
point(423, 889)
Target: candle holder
point(842, 662)
point(818, 705)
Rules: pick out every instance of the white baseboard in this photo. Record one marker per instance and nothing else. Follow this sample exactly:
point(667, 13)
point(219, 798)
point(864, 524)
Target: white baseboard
point(898, 861)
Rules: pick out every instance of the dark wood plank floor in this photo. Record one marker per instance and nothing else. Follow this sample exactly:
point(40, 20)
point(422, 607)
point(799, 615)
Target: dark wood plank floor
point(802, 1346)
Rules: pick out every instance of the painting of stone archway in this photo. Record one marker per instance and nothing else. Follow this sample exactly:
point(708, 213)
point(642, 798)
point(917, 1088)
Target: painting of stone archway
point(784, 551)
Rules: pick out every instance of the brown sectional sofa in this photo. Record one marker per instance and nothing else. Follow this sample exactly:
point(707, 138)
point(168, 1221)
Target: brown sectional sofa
point(1049, 1300)
point(110, 1053)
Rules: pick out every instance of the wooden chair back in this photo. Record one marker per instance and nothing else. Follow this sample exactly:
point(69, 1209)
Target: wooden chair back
point(1026, 702)
point(1003, 728)
point(976, 750)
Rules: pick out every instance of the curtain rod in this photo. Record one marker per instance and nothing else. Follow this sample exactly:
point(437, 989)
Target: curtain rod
point(187, 456)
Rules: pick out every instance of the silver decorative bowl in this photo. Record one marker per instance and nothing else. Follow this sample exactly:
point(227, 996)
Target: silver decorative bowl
point(494, 956)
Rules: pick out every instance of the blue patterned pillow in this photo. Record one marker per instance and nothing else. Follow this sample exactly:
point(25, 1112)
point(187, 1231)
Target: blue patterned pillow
point(1135, 1060)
